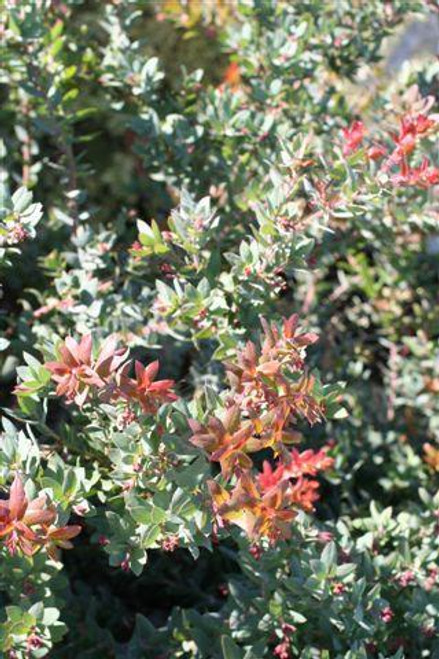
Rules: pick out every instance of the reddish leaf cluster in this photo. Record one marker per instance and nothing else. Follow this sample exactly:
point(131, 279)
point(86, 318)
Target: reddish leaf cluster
point(79, 375)
point(420, 177)
point(261, 380)
point(353, 136)
point(143, 390)
point(27, 526)
point(270, 391)
point(412, 128)
point(76, 372)
point(257, 511)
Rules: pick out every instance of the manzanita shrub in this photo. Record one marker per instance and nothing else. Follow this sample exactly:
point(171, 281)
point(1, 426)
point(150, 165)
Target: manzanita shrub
point(219, 355)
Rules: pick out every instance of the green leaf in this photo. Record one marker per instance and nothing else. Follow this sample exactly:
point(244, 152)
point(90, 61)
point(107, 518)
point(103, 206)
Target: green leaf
point(229, 648)
point(4, 343)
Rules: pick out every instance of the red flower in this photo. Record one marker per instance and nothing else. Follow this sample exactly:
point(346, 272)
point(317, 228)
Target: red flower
point(353, 135)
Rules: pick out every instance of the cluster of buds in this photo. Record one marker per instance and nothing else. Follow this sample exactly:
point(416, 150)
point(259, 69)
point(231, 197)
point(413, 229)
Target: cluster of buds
point(270, 390)
point(431, 581)
point(167, 270)
point(170, 543)
point(136, 250)
point(387, 615)
point(17, 234)
point(338, 588)
point(28, 526)
point(283, 649)
point(406, 578)
point(127, 417)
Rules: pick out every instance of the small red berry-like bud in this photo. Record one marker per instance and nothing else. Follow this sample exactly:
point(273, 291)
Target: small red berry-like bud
point(387, 615)
point(338, 588)
point(81, 509)
point(125, 564)
point(223, 589)
point(371, 647)
point(288, 629)
point(17, 234)
point(34, 641)
point(282, 650)
point(127, 417)
point(324, 537)
point(170, 544)
point(256, 551)
point(28, 588)
point(128, 485)
point(406, 578)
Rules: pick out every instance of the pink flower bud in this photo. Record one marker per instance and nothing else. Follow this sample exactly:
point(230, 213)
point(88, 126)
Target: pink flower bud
point(387, 615)
point(324, 537)
point(338, 588)
point(125, 564)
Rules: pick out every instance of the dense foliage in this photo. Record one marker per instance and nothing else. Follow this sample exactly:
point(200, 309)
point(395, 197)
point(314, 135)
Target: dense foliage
point(219, 355)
